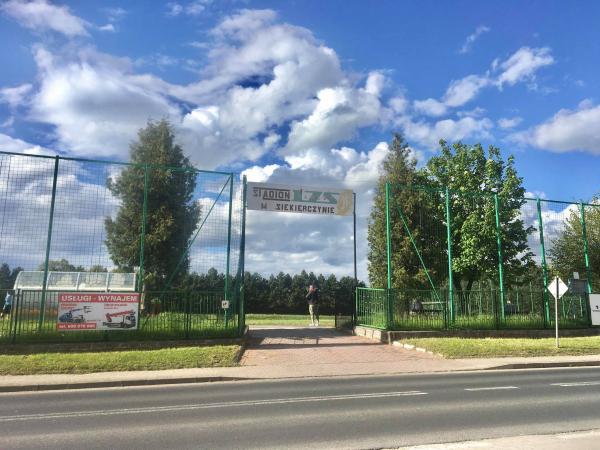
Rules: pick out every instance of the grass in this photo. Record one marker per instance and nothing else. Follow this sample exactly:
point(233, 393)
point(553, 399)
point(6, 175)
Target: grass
point(504, 347)
point(287, 319)
point(88, 362)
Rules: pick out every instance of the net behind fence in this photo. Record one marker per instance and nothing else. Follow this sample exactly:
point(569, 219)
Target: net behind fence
point(177, 230)
point(479, 260)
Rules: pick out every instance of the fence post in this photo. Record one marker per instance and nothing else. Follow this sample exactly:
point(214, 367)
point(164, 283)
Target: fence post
point(544, 266)
point(48, 242)
point(242, 299)
point(450, 278)
point(388, 241)
point(500, 262)
point(585, 250)
point(228, 242)
point(143, 231)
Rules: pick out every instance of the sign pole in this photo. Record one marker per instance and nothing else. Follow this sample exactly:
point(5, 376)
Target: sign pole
point(556, 313)
point(355, 272)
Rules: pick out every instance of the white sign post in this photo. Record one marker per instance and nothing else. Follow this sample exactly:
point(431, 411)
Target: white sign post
point(595, 308)
point(557, 288)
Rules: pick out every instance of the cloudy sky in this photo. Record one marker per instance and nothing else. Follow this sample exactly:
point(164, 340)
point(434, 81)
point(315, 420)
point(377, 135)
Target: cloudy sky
point(308, 92)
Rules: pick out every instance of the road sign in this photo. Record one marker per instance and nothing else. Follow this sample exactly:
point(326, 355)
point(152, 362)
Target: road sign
point(225, 304)
point(557, 288)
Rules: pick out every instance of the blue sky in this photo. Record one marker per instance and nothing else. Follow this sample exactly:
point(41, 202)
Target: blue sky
point(309, 91)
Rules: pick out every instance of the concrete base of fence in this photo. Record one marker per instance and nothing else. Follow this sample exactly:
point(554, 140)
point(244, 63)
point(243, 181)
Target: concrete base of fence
point(391, 336)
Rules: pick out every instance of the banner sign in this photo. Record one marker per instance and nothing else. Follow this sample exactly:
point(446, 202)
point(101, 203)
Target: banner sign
point(299, 199)
point(97, 311)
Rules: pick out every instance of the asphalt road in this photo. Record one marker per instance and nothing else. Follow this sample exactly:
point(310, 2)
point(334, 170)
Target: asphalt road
point(359, 412)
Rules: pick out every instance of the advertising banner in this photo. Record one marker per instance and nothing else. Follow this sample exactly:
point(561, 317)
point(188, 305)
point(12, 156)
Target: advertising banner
point(97, 311)
point(300, 199)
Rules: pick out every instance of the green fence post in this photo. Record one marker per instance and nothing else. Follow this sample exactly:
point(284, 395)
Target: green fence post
point(450, 278)
point(544, 266)
point(388, 240)
point(48, 242)
point(227, 296)
point(585, 250)
point(143, 231)
point(500, 262)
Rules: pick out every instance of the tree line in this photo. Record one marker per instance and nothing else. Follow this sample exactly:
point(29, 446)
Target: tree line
point(418, 216)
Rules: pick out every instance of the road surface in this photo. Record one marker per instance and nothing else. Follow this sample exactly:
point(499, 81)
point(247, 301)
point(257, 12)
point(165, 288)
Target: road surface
point(359, 412)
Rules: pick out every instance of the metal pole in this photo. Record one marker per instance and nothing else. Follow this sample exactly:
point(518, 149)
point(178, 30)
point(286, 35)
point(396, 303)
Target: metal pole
point(227, 296)
point(544, 266)
point(449, 238)
point(556, 313)
point(585, 250)
point(500, 262)
point(388, 251)
point(48, 242)
point(354, 242)
point(143, 231)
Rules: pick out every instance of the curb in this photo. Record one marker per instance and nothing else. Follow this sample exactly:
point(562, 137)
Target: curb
point(124, 383)
point(545, 365)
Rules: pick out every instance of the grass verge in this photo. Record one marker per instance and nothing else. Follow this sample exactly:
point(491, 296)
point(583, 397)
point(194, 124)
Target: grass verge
point(504, 347)
point(88, 362)
point(287, 319)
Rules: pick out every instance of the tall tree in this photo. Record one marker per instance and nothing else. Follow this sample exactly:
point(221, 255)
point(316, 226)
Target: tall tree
point(472, 174)
point(566, 252)
point(172, 215)
point(399, 168)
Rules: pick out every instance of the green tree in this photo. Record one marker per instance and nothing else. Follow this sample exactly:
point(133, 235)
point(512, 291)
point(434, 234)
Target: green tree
point(400, 170)
point(566, 252)
point(8, 276)
point(60, 265)
point(472, 175)
point(172, 215)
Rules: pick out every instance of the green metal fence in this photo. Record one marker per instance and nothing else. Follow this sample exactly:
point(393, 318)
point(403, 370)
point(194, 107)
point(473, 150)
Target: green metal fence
point(59, 213)
point(479, 260)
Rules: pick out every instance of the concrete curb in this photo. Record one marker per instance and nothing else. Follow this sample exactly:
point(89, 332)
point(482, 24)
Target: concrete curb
point(122, 383)
point(216, 378)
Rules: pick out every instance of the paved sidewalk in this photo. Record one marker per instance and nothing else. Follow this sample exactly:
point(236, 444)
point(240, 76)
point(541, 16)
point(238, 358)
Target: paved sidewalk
point(296, 352)
point(562, 441)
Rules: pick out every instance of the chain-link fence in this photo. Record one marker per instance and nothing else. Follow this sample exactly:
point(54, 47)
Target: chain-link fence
point(178, 231)
point(480, 260)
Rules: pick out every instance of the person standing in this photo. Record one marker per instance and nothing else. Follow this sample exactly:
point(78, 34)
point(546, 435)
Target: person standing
point(313, 305)
point(8, 301)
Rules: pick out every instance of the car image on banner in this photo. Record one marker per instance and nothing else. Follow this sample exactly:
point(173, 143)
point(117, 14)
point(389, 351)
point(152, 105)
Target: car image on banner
point(97, 311)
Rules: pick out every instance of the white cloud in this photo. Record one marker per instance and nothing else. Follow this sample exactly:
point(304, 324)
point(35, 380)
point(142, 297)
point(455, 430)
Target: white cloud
point(464, 90)
point(468, 44)
point(429, 134)
point(193, 8)
point(506, 123)
point(115, 14)
point(15, 96)
point(40, 15)
point(520, 66)
point(523, 64)
point(10, 144)
point(566, 131)
point(108, 27)
point(430, 107)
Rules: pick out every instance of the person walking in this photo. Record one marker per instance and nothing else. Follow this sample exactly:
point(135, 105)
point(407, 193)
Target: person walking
point(313, 305)
point(8, 301)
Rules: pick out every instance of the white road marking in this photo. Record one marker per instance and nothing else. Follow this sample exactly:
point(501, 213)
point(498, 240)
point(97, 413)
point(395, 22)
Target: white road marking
point(495, 388)
point(277, 401)
point(580, 383)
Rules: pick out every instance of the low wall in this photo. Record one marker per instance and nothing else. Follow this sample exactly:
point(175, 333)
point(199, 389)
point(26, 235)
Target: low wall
point(390, 336)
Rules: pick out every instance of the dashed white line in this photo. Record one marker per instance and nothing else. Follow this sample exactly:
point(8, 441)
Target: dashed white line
point(493, 388)
point(277, 401)
point(580, 383)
